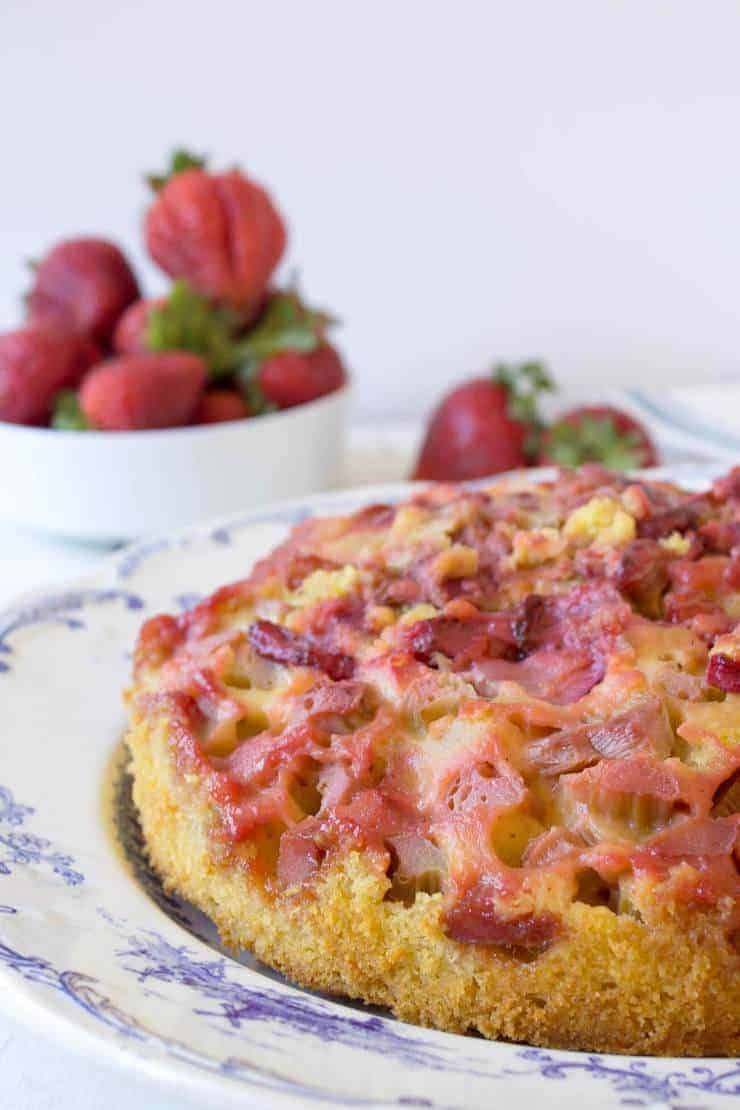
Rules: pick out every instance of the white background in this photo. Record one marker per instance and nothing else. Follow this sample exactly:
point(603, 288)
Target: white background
point(462, 180)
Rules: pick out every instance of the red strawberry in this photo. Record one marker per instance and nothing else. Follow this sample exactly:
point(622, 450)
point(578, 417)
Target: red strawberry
point(83, 285)
point(598, 433)
point(36, 362)
point(219, 405)
point(221, 232)
point(143, 391)
point(130, 336)
point(294, 377)
point(483, 426)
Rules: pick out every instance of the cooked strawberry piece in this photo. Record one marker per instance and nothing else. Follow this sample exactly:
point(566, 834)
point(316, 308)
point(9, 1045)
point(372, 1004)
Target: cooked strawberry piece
point(159, 639)
point(699, 852)
point(473, 919)
point(727, 488)
point(82, 285)
point(561, 676)
point(331, 699)
point(721, 535)
point(635, 775)
point(221, 232)
point(695, 837)
point(538, 622)
point(416, 865)
point(256, 761)
point(641, 729)
point(35, 363)
point(283, 646)
point(137, 392)
point(401, 591)
point(642, 575)
point(299, 857)
point(551, 847)
point(661, 524)
point(644, 728)
point(723, 672)
point(462, 641)
point(591, 610)
point(279, 644)
point(531, 622)
point(484, 787)
point(374, 516)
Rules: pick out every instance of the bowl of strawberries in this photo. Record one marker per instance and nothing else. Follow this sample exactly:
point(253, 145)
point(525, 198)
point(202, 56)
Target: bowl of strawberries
point(122, 414)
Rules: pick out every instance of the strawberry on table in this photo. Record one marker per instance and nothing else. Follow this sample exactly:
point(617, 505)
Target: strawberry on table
point(36, 362)
point(484, 426)
point(82, 285)
point(219, 231)
point(219, 405)
point(598, 433)
point(143, 391)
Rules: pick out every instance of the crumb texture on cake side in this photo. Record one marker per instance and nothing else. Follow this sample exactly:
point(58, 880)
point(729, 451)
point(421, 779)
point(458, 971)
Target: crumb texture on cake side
point(474, 758)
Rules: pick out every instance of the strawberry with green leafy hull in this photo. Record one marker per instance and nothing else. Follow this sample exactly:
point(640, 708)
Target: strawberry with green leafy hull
point(282, 361)
point(485, 426)
point(219, 231)
point(597, 433)
point(288, 360)
point(183, 321)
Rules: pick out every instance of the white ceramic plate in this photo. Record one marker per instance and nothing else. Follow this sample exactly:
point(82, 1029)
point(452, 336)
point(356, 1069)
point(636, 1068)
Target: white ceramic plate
point(91, 947)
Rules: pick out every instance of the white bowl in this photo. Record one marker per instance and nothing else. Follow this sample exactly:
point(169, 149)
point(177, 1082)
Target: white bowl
point(119, 485)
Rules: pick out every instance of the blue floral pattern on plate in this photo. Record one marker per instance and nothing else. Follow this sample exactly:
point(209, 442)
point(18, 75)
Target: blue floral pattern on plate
point(221, 997)
point(56, 608)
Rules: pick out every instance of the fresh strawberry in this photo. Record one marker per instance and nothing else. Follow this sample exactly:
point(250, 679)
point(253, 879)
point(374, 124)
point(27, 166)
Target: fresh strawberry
point(219, 405)
point(598, 433)
point(143, 391)
point(295, 377)
point(484, 426)
point(130, 336)
point(36, 362)
point(82, 285)
point(221, 232)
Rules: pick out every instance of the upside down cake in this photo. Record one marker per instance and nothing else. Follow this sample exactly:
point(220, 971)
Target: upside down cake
point(473, 757)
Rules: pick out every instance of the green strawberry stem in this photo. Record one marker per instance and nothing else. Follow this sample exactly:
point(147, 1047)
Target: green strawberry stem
point(67, 415)
point(524, 383)
point(188, 321)
point(287, 324)
point(180, 160)
point(594, 439)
